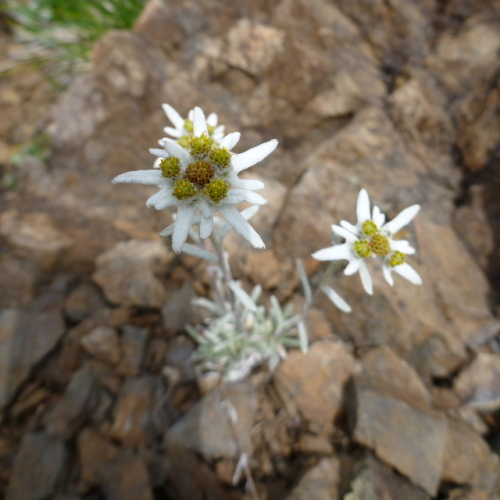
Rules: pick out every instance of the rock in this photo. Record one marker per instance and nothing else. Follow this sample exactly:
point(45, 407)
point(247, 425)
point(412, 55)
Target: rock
point(126, 478)
point(323, 370)
point(472, 225)
point(479, 384)
point(390, 422)
point(178, 310)
point(128, 273)
point(103, 343)
point(29, 400)
point(64, 362)
point(318, 327)
point(190, 479)
point(468, 459)
point(132, 415)
point(375, 480)
point(74, 408)
point(180, 356)
point(34, 236)
point(83, 301)
point(468, 494)
point(312, 444)
point(39, 468)
point(18, 282)
point(252, 46)
point(133, 344)
point(263, 268)
point(472, 418)
point(27, 335)
point(94, 450)
point(219, 425)
point(381, 363)
point(320, 482)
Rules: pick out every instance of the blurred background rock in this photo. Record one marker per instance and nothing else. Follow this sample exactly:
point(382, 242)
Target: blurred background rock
point(399, 400)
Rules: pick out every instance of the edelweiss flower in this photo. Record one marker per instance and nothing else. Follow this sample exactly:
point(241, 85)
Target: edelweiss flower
point(372, 237)
point(204, 177)
point(184, 127)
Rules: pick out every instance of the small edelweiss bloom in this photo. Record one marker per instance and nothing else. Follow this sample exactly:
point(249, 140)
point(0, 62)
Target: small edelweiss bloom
point(204, 177)
point(373, 237)
point(183, 128)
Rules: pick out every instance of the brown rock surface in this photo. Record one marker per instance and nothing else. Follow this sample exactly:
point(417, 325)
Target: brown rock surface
point(38, 469)
point(128, 273)
point(27, 335)
point(132, 416)
point(126, 478)
point(399, 97)
point(468, 459)
point(375, 480)
point(219, 425)
point(78, 401)
point(103, 343)
point(408, 436)
point(479, 384)
point(94, 451)
point(83, 301)
point(34, 237)
point(381, 363)
point(133, 344)
point(324, 370)
point(320, 482)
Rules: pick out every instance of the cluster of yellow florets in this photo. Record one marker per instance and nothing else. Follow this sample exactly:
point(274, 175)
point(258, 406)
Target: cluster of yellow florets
point(200, 176)
point(375, 242)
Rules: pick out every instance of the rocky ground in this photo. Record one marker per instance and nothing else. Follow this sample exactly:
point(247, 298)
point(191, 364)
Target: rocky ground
point(398, 400)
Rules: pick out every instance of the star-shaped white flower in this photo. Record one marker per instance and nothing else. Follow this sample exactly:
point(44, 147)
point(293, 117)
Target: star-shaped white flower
point(183, 127)
point(205, 178)
point(373, 237)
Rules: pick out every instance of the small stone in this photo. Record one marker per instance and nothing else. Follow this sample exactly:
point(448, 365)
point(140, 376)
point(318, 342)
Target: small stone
point(191, 479)
point(132, 419)
point(84, 300)
point(468, 459)
point(17, 286)
point(383, 364)
point(180, 356)
point(27, 335)
point(103, 343)
point(391, 423)
point(318, 327)
point(468, 494)
point(225, 470)
point(472, 418)
point(323, 370)
point(133, 344)
point(219, 425)
point(29, 400)
point(178, 310)
point(94, 450)
point(479, 384)
point(129, 273)
point(374, 480)
point(312, 444)
point(78, 401)
point(263, 267)
point(38, 468)
point(253, 46)
point(126, 478)
point(34, 236)
point(320, 482)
